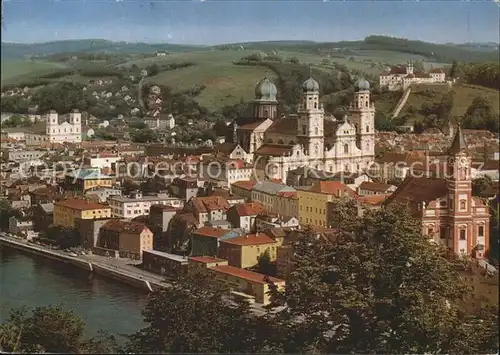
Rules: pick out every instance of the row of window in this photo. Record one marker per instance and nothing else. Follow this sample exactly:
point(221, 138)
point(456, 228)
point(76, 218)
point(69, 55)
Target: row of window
point(444, 232)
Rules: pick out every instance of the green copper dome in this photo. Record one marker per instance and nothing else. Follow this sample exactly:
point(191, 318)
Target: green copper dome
point(310, 85)
point(362, 84)
point(265, 90)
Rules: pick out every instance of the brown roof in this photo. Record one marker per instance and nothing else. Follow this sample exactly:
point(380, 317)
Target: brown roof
point(332, 188)
point(245, 184)
point(374, 186)
point(415, 190)
point(249, 209)
point(205, 259)
point(250, 239)
point(284, 126)
point(161, 207)
point(210, 203)
point(211, 232)
point(274, 150)
point(226, 148)
point(251, 126)
point(245, 274)
point(422, 75)
point(81, 205)
point(437, 70)
point(125, 227)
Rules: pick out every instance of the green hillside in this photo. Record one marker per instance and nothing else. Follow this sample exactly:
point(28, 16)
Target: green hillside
point(14, 70)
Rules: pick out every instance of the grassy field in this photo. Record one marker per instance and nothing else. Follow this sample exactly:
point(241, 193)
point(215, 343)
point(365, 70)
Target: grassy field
point(16, 70)
point(463, 96)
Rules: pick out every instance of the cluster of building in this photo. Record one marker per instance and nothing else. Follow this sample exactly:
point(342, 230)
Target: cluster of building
point(400, 78)
point(223, 208)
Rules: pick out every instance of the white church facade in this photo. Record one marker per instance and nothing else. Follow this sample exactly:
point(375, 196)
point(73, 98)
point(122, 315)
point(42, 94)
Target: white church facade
point(308, 138)
point(58, 129)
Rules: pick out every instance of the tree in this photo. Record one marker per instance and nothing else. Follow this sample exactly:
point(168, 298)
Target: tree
point(191, 316)
point(378, 286)
point(64, 237)
point(454, 70)
point(50, 329)
point(265, 265)
point(6, 211)
point(480, 185)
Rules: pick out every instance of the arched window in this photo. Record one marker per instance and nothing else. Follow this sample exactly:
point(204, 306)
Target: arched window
point(346, 148)
point(316, 131)
point(366, 103)
point(315, 104)
point(266, 113)
point(270, 141)
point(367, 129)
point(281, 141)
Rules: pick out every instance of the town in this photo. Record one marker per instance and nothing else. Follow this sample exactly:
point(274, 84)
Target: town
point(254, 197)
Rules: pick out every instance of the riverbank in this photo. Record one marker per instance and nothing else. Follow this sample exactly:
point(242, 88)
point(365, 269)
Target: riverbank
point(121, 270)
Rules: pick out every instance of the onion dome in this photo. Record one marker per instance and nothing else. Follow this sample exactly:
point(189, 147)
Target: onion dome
point(362, 84)
point(265, 90)
point(310, 85)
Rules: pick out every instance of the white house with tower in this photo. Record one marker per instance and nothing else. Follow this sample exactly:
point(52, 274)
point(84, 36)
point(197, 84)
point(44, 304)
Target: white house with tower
point(58, 129)
point(399, 78)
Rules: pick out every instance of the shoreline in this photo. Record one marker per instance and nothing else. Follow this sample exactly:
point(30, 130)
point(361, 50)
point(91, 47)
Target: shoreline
point(140, 279)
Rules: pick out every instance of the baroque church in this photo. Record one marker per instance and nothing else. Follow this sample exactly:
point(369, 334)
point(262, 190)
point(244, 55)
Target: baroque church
point(277, 145)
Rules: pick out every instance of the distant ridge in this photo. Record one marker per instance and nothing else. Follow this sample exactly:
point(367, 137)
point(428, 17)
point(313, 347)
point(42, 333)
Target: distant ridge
point(24, 50)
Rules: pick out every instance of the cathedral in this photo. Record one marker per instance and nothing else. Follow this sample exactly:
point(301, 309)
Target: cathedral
point(277, 145)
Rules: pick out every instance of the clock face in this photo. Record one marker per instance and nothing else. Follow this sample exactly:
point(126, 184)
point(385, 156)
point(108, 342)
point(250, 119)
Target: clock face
point(463, 161)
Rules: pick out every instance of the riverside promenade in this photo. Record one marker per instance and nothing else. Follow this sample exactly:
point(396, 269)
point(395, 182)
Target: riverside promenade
point(125, 270)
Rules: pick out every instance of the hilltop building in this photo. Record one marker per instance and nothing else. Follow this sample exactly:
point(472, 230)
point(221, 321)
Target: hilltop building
point(279, 145)
point(450, 215)
point(399, 78)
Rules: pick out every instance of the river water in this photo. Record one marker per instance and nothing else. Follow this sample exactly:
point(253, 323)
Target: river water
point(32, 281)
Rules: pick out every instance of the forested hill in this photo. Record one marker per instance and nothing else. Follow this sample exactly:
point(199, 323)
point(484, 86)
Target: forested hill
point(444, 53)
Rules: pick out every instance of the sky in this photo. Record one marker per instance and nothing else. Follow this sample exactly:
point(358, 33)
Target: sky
point(212, 22)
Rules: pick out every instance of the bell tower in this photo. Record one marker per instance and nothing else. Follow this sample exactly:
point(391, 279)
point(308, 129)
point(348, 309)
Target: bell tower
point(310, 120)
point(362, 113)
point(265, 104)
point(459, 186)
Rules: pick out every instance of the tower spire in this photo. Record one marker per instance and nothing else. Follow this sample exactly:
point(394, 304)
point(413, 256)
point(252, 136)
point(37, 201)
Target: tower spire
point(458, 145)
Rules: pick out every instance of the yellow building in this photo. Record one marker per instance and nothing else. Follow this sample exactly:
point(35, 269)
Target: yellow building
point(313, 201)
point(129, 238)
point(86, 179)
point(238, 280)
point(65, 212)
point(244, 251)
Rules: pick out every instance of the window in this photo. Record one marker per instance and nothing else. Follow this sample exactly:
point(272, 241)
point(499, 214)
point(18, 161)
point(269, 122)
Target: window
point(430, 231)
point(304, 129)
point(480, 231)
point(442, 232)
point(315, 105)
point(463, 233)
point(346, 148)
point(316, 131)
point(463, 204)
point(367, 129)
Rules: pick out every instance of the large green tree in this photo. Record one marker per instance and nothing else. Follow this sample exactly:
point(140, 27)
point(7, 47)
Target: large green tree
point(192, 316)
point(379, 286)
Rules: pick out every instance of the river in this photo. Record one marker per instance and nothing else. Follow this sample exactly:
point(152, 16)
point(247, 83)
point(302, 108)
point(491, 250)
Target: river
point(32, 281)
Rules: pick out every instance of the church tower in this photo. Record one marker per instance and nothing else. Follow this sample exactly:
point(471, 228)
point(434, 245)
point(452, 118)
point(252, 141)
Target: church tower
point(265, 104)
point(459, 186)
point(362, 113)
point(51, 123)
point(310, 120)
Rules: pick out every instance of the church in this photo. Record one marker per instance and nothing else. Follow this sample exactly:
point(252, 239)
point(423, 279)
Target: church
point(277, 145)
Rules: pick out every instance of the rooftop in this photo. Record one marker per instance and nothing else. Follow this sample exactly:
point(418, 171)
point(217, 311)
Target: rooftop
point(81, 205)
point(163, 254)
point(251, 239)
point(245, 274)
point(206, 259)
point(211, 232)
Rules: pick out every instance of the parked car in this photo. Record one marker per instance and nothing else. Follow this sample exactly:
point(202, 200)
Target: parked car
point(72, 254)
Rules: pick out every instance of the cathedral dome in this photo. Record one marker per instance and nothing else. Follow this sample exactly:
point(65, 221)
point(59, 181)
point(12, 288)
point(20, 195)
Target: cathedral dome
point(265, 90)
point(310, 85)
point(362, 84)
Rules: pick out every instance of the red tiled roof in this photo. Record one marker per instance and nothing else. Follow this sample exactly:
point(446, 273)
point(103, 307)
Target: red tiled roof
point(206, 259)
point(125, 227)
point(245, 184)
point(284, 126)
point(81, 205)
point(245, 274)
point(274, 150)
point(374, 200)
point(287, 194)
point(211, 232)
point(250, 239)
point(249, 209)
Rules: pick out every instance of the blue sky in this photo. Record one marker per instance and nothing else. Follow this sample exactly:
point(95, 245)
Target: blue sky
point(223, 21)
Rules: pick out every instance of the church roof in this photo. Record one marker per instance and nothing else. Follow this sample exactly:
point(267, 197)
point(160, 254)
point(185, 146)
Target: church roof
point(251, 126)
point(274, 150)
point(417, 190)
